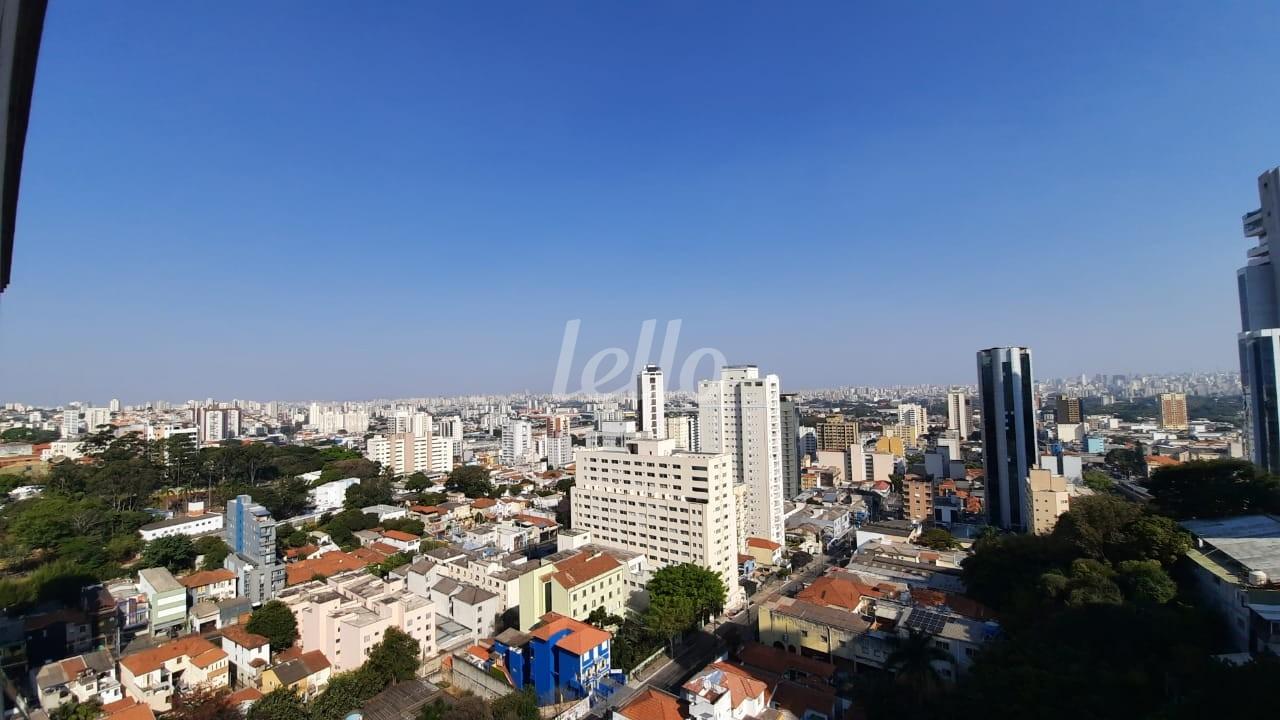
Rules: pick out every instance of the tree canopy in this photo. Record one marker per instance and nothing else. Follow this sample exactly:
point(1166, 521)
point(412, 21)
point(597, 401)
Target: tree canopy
point(470, 480)
point(274, 621)
point(1213, 488)
point(938, 539)
point(175, 552)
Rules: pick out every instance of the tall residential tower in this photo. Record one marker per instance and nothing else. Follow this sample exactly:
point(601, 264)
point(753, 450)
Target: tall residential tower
point(1006, 396)
point(739, 414)
point(651, 408)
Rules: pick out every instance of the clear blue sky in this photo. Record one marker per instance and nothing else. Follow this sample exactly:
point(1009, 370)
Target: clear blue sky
point(338, 200)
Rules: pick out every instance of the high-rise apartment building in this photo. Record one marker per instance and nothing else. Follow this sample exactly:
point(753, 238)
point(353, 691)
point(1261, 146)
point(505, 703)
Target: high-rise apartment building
point(836, 434)
point(958, 413)
point(1006, 397)
point(406, 453)
point(789, 413)
point(1259, 340)
point(683, 428)
point(913, 421)
point(407, 421)
point(1173, 411)
point(517, 442)
point(651, 407)
point(114, 405)
point(70, 426)
point(738, 414)
point(1049, 499)
point(96, 417)
point(250, 532)
point(671, 505)
point(1068, 410)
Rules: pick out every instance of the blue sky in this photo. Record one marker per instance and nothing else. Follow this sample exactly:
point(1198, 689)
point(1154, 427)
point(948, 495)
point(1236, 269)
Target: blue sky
point(327, 200)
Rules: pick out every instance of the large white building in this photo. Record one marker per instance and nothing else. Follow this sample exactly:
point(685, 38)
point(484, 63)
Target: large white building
point(739, 414)
point(914, 422)
point(96, 417)
point(958, 413)
point(672, 506)
point(70, 422)
point(517, 442)
point(415, 423)
point(331, 420)
point(331, 495)
point(651, 405)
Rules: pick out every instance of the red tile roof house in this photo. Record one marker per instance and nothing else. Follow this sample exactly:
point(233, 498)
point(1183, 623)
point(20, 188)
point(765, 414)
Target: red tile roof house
point(249, 654)
point(766, 552)
point(401, 541)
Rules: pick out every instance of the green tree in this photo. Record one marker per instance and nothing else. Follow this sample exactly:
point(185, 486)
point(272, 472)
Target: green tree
point(417, 482)
point(274, 621)
point(1145, 582)
point(938, 539)
point(1087, 582)
point(396, 658)
point(77, 711)
point(42, 523)
point(1213, 488)
point(202, 703)
point(434, 710)
point(1098, 481)
point(701, 588)
point(345, 692)
point(357, 467)
point(1107, 527)
point(174, 552)
point(469, 707)
point(213, 550)
point(279, 704)
point(375, 491)
point(522, 705)
point(470, 480)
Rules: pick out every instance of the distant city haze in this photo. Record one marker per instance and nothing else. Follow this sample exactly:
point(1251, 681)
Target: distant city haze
point(313, 201)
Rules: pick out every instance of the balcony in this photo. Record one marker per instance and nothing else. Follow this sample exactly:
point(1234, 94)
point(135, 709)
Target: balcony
point(1253, 223)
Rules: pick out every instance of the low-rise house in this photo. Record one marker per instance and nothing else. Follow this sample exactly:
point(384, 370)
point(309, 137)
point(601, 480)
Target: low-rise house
point(249, 654)
point(767, 553)
point(80, 679)
point(127, 709)
point(888, 531)
point(562, 659)
point(305, 673)
point(652, 704)
point(153, 676)
point(213, 585)
point(723, 691)
point(403, 542)
point(321, 567)
point(167, 599)
point(331, 495)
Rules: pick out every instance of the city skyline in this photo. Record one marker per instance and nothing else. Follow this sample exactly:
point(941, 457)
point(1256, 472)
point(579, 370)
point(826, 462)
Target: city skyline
point(261, 217)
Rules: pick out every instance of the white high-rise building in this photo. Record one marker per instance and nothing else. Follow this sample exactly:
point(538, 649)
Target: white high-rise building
point(913, 421)
point(70, 422)
point(406, 421)
point(517, 442)
point(559, 450)
point(651, 407)
point(450, 427)
point(958, 413)
point(96, 417)
point(673, 506)
point(114, 405)
point(739, 414)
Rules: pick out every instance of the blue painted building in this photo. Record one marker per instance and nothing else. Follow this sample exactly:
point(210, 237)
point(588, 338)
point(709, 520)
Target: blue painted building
point(1094, 445)
point(562, 659)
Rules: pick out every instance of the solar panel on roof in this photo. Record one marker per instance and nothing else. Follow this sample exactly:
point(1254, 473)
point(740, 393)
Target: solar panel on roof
point(926, 621)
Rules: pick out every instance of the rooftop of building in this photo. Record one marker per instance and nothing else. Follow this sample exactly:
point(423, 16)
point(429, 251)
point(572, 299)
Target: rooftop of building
point(239, 635)
point(160, 579)
point(1242, 544)
point(720, 677)
point(583, 567)
point(581, 638)
point(206, 577)
point(200, 651)
point(806, 611)
point(179, 520)
point(653, 704)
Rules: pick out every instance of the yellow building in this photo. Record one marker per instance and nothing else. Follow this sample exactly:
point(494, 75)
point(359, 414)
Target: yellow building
point(834, 433)
point(766, 553)
point(1049, 500)
point(574, 585)
point(306, 675)
point(891, 444)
